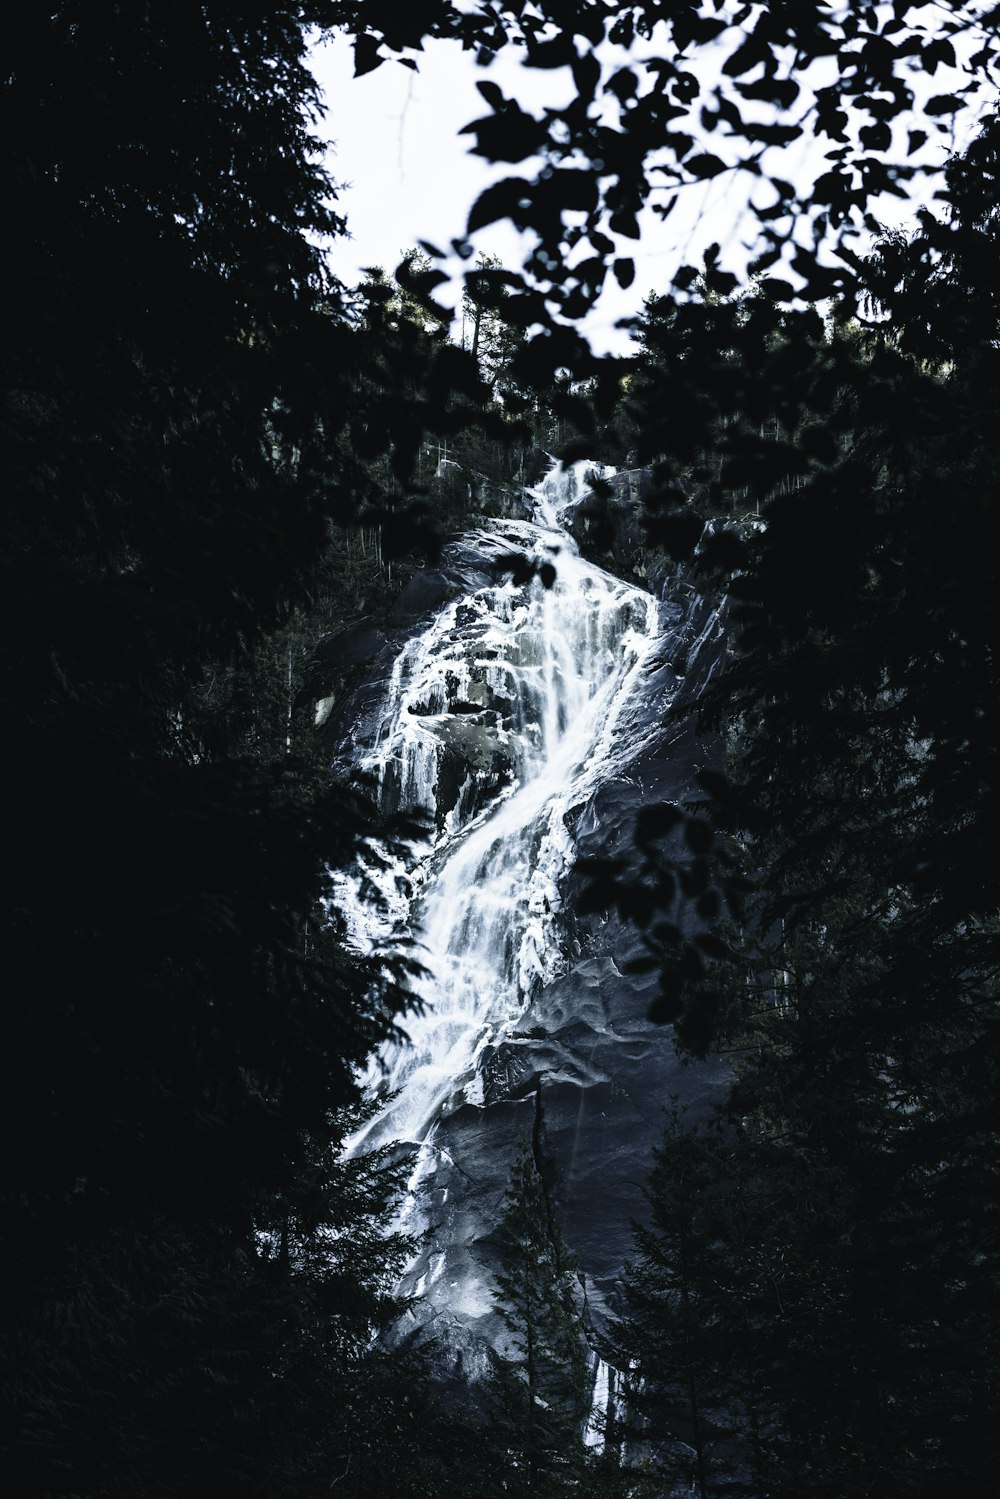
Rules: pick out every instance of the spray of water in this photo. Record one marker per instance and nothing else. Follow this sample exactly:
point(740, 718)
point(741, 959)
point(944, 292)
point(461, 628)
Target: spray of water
point(526, 685)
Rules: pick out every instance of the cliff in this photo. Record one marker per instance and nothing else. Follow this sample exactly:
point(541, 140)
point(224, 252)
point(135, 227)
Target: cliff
point(569, 1059)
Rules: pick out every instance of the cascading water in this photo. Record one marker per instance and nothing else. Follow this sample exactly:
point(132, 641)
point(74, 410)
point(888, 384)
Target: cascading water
point(523, 723)
point(523, 686)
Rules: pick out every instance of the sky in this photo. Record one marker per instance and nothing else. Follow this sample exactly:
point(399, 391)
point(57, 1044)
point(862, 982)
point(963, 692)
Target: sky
point(406, 175)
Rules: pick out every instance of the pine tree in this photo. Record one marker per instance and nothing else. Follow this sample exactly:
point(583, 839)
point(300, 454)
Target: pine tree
point(861, 1000)
point(538, 1392)
point(179, 368)
point(683, 1397)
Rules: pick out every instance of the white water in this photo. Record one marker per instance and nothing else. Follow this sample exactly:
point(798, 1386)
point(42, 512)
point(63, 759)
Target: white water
point(603, 1387)
point(533, 680)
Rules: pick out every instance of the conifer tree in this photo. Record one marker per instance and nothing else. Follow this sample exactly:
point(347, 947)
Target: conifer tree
point(180, 369)
point(672, 1343)
point(860, 1000)
point(538, 1391)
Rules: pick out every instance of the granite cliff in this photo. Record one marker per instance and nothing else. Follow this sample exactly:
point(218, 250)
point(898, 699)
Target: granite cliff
point(527, 725)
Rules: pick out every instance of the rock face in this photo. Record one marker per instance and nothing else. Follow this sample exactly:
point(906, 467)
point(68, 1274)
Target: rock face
point(530, 726)
point(607, 527)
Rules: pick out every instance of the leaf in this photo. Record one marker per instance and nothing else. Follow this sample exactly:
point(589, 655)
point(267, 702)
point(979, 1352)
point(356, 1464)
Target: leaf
point(698, 835)
point(667, 1006)
point(624, 272)
point(771, 135)
point(510, 135)
point(690, 27)
point(691, 965)
point(420, 282)
point(746, 56)
point(764, 261)
point(709, 905)
point(704, 165)
point(647, 963)
point(938, 52)
point(366, 54)
point(712, 946)
point(876, 137)
point(591, 271)
point(557, 53)
point(514, 565)
point(943, 104)
point(723, 550)
point(623, 84)
point(586, 75)
point(492, 93)
point(677, 534)
point(574, 189)
point(715, 783)
point(782, 92)
point(656, 822)
point(722, 283)
point(776, 289)
point(502, 200)
point(636, 903)
point(624, 222)
point(454, 369)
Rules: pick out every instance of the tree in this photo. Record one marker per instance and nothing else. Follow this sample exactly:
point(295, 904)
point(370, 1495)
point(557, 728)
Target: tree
point(707, 92)
point(186, 1022)
point(860, 997)
point(490, 339)
point(713, 1308)
point(667, 1340)
point(538, 1395)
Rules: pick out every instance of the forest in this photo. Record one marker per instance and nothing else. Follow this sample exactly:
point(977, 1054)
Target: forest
point(218, 455)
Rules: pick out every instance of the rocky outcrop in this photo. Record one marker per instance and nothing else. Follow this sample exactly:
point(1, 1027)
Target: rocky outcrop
point(584, 1055)
point(582, 1071)
point(607, 524)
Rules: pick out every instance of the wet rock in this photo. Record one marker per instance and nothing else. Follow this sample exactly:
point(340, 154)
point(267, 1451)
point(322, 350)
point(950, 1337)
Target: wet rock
point(344, 675)
point(583, 1072)
point(426, 591)
point(335, 655)
point(473, 768)
point(584, 1059)
point(607, 526)
point(502, 499)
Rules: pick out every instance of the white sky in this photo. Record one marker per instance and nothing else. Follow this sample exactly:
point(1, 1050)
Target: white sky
point(407, 175)
point(395, 143)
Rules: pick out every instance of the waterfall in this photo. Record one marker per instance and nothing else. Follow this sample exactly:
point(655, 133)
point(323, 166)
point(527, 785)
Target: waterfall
point(521, 723)
point(498, 718)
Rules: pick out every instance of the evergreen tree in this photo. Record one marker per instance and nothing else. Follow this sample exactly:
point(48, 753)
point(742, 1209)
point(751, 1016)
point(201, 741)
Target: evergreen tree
point(860, 998)
point(674, 1364)
point(180, 369)
point(538, 1391)
point(491, 340)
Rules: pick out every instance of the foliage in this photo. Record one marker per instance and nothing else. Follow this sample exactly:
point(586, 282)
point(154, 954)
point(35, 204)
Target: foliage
point(195, 414)
point(538, 1392)
point(180, 368)
point(677, 1402)
point(666, 98)
point(859, 1000)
